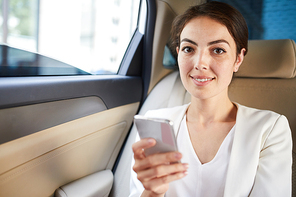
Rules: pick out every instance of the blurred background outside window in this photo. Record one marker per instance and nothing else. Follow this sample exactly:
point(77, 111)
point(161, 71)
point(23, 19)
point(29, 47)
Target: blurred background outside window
point(89, 34)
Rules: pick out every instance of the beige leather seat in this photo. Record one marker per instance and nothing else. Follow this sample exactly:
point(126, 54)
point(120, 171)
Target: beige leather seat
point(266, 80)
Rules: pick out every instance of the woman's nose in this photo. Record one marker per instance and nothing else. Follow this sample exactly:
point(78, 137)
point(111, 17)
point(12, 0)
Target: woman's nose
point(201, 62)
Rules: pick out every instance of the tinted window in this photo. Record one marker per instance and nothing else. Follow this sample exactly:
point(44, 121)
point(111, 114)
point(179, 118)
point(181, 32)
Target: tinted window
point(16, 62)
point(268, 19)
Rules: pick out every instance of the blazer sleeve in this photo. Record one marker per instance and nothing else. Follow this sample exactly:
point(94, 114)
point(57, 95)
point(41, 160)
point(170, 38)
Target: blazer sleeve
point(273, 177)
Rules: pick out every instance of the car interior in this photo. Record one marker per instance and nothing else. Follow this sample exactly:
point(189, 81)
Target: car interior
point(72, 135)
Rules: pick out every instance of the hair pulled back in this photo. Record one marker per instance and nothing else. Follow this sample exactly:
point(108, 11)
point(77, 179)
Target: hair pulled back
point(220, 12)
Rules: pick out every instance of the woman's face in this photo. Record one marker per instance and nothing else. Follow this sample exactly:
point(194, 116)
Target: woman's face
point(207, 58)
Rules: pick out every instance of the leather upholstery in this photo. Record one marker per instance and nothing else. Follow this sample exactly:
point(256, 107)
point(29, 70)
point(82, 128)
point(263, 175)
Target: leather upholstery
point(269, 59)
point(266, 80)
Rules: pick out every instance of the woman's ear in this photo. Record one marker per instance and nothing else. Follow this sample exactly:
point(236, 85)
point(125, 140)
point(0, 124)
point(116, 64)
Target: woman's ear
point(177, 49)
point(239, 60)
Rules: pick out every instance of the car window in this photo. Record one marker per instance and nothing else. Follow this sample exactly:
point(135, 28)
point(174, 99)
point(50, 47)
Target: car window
point(20, 63)
point(90, 35)
point(268, 19)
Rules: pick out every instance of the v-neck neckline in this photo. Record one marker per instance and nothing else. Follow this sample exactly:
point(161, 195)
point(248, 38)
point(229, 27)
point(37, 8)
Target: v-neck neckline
point(222, 147)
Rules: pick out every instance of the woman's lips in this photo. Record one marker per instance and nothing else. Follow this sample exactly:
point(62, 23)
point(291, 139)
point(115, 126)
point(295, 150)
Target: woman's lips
point(201, 80)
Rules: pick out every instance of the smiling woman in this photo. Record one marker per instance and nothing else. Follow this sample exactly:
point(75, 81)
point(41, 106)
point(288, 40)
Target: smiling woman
point(211, 51)
point(212, 132)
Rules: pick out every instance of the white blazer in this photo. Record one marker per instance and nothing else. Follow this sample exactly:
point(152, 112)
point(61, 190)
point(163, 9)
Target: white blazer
point(261, 159)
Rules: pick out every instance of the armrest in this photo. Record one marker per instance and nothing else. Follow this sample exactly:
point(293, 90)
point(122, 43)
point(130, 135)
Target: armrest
point(98, 184)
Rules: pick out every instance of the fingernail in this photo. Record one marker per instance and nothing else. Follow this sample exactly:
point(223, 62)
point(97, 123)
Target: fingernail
point(150, 141)
point(178, 155)
point(185, 165)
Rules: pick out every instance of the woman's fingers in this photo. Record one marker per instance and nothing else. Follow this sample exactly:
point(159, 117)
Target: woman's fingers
point(158, 184)
point(156, 171)
point(140, 145)
point(156, 160)
point(161, 171)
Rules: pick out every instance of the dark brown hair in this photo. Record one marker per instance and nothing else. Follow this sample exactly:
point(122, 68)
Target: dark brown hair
point(220, 12)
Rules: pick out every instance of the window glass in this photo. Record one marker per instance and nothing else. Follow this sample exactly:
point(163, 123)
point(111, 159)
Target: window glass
point(268, 19)
point(20, 63)
point(169, 61)
point(22, 23)
point(91, 35)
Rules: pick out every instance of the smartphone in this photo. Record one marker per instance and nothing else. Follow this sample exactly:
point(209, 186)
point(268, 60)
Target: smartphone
point(160, 129)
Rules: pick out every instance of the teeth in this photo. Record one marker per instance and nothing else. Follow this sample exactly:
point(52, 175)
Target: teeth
point(202, 80)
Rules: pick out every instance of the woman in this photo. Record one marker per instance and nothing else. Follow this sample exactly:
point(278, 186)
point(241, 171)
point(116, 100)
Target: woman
point(227, 149)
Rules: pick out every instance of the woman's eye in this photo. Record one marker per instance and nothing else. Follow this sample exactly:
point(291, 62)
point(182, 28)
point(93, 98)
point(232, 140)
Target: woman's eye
point(219, 51)
point(187, 49)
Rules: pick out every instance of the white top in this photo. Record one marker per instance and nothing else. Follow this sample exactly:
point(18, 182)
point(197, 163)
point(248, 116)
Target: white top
point(261, 153)
point(203, 180)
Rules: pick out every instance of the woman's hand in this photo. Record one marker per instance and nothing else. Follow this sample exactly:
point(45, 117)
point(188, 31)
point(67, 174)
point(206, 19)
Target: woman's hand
point(156, 171)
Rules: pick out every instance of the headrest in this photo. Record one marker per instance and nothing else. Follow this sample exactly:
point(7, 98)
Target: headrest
point(269, 59)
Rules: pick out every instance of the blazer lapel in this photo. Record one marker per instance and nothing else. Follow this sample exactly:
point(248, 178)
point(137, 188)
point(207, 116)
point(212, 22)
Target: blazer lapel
point(178, 118)
point(244, 155)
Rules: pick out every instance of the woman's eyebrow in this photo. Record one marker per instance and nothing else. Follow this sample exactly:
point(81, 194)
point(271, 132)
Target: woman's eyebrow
point(188, 40)
point(218, 41)
point(210, 43)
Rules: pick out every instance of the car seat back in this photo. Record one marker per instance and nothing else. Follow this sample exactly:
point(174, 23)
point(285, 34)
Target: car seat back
point(266, 80)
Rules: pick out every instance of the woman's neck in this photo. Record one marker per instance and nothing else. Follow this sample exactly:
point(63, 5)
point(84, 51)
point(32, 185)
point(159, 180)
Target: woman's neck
point(211, 110)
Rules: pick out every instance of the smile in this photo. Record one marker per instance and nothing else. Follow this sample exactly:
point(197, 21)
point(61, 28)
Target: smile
point(202, 79)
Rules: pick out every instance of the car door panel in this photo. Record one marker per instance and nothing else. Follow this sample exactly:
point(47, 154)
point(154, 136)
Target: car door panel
point(95, 185)
point(76, 128)
point(55, 156)
point(33, 118)
point(19, 91)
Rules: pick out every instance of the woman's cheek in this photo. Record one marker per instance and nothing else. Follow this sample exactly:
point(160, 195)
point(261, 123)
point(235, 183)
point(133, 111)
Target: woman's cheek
point(183, 69)
point(184, 64)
